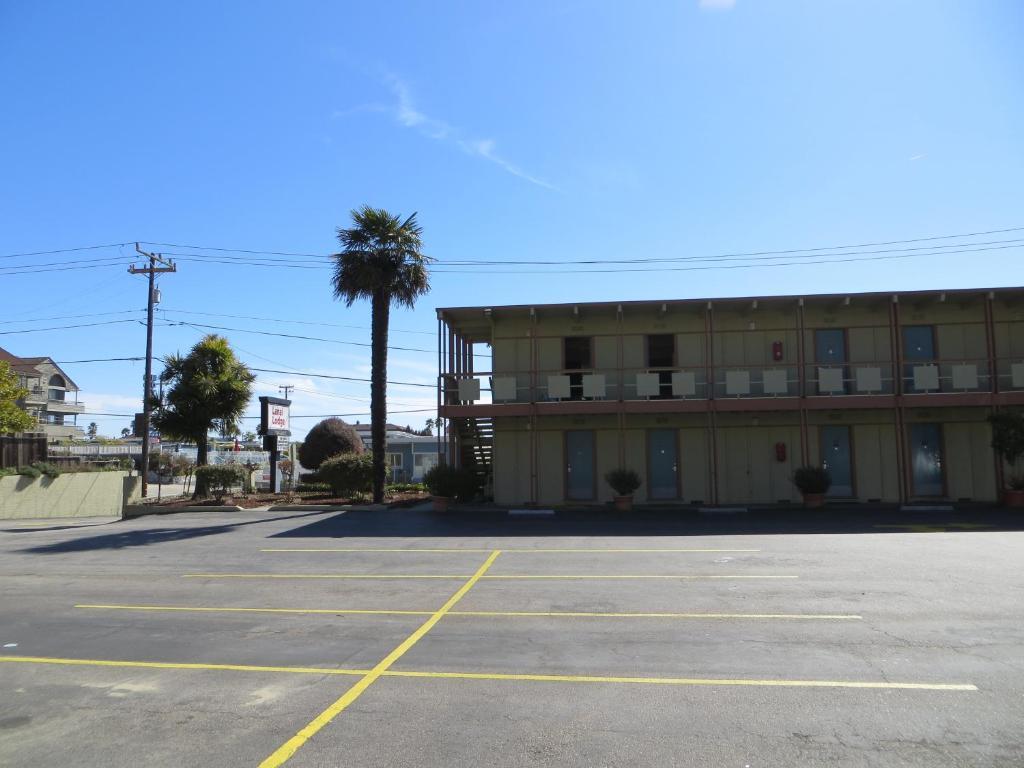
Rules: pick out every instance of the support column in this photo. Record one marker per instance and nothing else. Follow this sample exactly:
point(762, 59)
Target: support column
point(802, 380)
point(993, 378)
point(709, 394)
point(897, 386)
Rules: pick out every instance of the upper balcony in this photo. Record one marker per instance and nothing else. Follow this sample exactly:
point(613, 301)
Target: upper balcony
point(864, 384)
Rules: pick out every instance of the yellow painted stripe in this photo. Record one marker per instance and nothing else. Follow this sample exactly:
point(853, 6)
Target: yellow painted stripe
point(689, 681)
point(322, 576)
point(641, 576)
point(466, 576)
point(205, 609)
point(510, 614)
point(175, 665)
point(506, 551)
point(627, 615)
point(694, 681)
point(282, 754)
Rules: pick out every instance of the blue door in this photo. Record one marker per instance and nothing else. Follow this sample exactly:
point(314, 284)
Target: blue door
point(837, 458)
point(918, 348)
point(926, 459)
point(579, 470)
point(663, 464)
point(830, 352)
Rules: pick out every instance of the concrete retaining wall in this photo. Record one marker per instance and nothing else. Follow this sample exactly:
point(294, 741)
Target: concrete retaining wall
point(77, 494)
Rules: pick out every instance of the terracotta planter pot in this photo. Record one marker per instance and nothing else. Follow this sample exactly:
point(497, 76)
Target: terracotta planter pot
point(441, 503)
point(624, 503)
point(814, 500)
point(1012, 498)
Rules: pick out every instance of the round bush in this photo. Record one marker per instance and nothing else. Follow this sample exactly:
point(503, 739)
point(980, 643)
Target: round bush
point(348, 475)
point(331, 437)
point(456, 483)
point(219, 478)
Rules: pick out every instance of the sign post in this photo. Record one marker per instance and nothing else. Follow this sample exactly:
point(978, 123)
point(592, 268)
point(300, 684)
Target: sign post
point(275, 428)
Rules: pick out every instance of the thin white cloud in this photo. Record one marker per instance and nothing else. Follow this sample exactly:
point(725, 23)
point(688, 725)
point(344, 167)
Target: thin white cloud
point(407, 115)
point(917, 157)
point(717, 5)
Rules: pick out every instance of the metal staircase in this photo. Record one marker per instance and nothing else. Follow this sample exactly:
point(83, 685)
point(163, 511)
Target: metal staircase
point(476, 447)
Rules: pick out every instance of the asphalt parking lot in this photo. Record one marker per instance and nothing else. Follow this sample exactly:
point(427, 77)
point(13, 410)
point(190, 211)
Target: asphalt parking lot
point(396, 639)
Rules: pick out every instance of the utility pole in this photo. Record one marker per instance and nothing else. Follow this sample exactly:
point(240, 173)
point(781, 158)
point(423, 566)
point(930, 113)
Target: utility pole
point(147, 386)
point(285, 389)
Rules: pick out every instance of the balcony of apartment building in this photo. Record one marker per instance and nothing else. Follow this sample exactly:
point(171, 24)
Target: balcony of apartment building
point(59, 399)
point(789, 353)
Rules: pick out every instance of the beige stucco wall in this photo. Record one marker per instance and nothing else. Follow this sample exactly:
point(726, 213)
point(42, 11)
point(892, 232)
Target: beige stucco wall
point(748, 470)
point(79, 494)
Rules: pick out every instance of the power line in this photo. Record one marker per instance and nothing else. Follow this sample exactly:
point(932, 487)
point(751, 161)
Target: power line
point(72, 317)
point(65, 327)
point(749, 253)
point(99, 360)
point(286, 320)
point(621, 270)
point(109, 259)
point(64, 250)
point(341, 378)
point(119, 263)
point(297, 336)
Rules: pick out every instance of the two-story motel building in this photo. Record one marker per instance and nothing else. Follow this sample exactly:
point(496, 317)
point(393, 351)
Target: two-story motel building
point(718, 401)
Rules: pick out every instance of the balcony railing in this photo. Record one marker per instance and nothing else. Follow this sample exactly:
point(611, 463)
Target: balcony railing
point(733, 382)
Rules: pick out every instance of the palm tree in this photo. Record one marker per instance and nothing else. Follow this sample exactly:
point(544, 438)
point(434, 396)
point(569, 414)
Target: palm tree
point(380, 260)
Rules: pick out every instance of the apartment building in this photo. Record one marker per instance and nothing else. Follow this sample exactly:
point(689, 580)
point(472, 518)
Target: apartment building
point(52, 398)
point(410, 456)
point(717, 401)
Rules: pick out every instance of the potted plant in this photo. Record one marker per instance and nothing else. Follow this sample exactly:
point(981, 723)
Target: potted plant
point(624, 482)
point(446, 483)
point(813, 482)
point(1008, 442)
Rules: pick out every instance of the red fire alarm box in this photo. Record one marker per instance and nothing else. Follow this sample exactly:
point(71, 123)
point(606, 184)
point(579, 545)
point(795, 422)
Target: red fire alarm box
point(780, 452)
point(776, 350)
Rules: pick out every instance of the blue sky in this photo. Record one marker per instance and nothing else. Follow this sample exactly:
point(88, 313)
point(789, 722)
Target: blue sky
point(518, 131)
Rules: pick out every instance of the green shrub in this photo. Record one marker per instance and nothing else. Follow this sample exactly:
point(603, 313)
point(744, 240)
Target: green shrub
point(312, 487)
point(623, 481)
point(348, 474)
point(220, 478)
point(456, 483)
point(812, 479)
point(405, 488)
point(48, 469)
point(30, 471)
point(7, 471)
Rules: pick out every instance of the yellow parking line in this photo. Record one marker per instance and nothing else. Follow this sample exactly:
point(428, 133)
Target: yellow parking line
point(321, 576)
point(466, 576)
point(499, 614)
point(286, 750)
point(641, 576)
point(681, 681)
point(204, 609)
point(176, 665)
point(627, 615)
point(689, 681)
point(505, 551)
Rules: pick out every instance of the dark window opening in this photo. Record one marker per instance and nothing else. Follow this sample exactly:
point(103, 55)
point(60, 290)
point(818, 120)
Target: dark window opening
point(577, 356)
point(661, 353)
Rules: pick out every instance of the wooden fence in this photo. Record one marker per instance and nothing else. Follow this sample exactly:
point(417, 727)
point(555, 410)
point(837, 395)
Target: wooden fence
point(21, 451)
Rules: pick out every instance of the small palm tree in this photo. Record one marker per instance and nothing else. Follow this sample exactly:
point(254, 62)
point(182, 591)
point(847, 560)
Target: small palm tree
point(380, 260)
point(209, 389)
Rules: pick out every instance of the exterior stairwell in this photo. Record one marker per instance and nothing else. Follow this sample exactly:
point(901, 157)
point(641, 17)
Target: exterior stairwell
point(476, 447)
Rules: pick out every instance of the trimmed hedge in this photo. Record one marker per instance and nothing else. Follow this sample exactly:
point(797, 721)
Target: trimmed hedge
point(349, 474)
point(219, 478)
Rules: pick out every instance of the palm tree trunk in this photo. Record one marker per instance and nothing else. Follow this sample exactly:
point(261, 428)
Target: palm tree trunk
point(202, 457)
point(378, 390)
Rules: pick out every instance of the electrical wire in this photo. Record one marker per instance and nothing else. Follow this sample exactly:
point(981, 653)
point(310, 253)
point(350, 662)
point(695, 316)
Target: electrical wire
point(297, 336)
point(286, 320)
